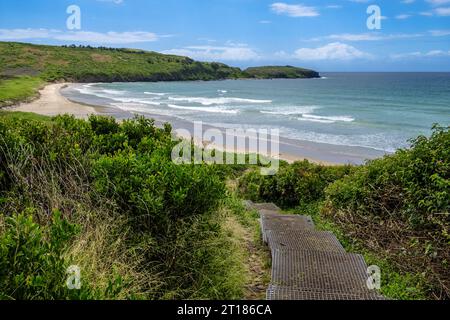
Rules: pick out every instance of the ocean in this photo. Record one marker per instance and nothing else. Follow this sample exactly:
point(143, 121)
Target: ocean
point(376, 111)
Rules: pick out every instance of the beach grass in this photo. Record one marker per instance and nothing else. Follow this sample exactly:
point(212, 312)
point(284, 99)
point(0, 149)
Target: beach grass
point(16, 115)
point(19, 89)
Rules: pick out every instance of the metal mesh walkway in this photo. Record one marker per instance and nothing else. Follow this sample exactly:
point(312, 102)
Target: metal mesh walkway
point(308, 264)
point(286, 293)
point(304, 240)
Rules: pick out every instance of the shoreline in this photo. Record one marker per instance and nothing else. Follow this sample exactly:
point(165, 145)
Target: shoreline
point(51, 102)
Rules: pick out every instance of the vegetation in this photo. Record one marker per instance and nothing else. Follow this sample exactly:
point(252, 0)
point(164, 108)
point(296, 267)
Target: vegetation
point(394, 209)
point(19, 89)
point(293, 185)
point(276, 72)
point(87, 64)
point(26, 67)
point(107, 198)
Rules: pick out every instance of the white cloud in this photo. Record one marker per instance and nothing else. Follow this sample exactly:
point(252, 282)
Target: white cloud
point(437, 10)
point(231, 52)
point(110, 37)
point(444, 12)
point(418, 54)
point(23, 34)
point(112, 1)
point(294, 10)
point(440, 33)
point(372, 36)
point(402, 16)
point(331, 51)
point(438, 2)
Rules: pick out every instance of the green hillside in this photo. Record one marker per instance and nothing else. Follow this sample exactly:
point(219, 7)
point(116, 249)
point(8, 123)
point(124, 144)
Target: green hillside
point(26, 67)
point(276, 72)
point(89, 64)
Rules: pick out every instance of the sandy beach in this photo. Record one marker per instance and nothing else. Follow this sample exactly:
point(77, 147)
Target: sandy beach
point(52, 102)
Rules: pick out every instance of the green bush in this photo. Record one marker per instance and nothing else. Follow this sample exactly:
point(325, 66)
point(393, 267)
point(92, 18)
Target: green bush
point(31, 258)
point(82, 168)
point(296, 184)
point(399, 205)
point(155, 188)
point(413, 184)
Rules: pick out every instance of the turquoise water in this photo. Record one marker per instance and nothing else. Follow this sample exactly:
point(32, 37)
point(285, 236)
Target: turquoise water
point(381, 111)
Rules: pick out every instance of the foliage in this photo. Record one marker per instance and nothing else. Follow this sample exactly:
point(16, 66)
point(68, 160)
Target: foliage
point(301, 182)
point(31, 258)
point(403, 202)
point(413, 183)
point(113, 179)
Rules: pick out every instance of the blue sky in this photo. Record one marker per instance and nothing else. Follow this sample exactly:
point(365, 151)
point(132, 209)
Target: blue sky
point(327, 35)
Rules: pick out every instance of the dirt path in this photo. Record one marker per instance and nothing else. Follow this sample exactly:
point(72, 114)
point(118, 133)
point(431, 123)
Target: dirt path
point(258, 263)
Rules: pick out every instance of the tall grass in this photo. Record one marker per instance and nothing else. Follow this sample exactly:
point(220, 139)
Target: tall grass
point(19, 89)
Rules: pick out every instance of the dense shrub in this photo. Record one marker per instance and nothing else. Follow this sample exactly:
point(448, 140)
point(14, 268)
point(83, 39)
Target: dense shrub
point(98, 169)
point(399, 205)
point(299, 183)
point(157, 189)
point(31, 258)
point(413, 184)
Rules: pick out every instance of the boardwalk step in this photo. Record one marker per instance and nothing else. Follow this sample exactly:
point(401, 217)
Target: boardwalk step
point(286, 293)
point(271, 221)
point(276, 215)
point(308, 264)
point(288, 223)
point(320, 271)
point(304, 240)
point(260, 206)
point(267, 225)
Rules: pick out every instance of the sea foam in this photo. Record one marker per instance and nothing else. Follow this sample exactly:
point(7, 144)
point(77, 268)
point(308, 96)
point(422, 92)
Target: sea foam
point(212, 101)
point(203, 109)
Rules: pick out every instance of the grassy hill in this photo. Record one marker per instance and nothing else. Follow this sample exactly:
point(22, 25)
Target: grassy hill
point(26, 67)
point(89, 64)
point(276, 72)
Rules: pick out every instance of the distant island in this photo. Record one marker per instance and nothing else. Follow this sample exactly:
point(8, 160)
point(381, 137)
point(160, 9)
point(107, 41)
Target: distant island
point(280, 72)
point(24, 68)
